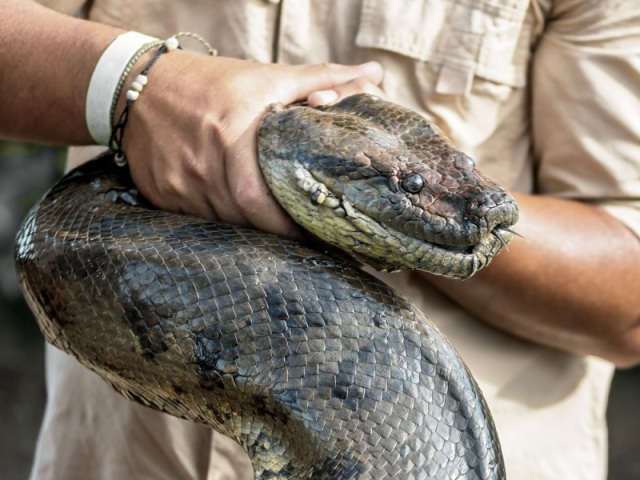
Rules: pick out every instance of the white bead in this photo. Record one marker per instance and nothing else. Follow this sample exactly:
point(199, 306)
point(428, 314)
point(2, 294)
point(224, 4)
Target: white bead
point(137, 86)
point(120, 159)
point(142, 79)
point(132, 95)
point(171, 43)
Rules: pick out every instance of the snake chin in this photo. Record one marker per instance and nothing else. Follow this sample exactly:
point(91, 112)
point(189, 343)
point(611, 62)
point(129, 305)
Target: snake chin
point(398, 251)
point(467, 260)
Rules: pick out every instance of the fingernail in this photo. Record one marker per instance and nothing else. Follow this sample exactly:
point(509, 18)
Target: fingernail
point(323, 97)
point(373, 68)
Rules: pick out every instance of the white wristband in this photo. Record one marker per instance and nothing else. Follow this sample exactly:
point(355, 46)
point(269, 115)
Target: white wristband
point(104, 82)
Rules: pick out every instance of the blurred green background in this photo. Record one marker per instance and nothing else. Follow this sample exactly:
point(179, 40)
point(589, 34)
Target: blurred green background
point(25, 173)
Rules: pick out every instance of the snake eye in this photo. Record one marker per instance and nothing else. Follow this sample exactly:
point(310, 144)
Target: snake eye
point(413, 183)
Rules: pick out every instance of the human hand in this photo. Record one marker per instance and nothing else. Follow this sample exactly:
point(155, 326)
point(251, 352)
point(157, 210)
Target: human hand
point(191, 137)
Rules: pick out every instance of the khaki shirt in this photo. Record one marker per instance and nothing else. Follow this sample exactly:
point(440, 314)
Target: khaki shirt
point(542, 93)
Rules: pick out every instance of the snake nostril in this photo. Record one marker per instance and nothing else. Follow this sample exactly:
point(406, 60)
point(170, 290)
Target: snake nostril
point(464, 162)
point(502, 215)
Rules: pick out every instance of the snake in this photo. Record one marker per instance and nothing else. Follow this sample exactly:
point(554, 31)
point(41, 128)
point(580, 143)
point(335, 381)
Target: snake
point(315, 367)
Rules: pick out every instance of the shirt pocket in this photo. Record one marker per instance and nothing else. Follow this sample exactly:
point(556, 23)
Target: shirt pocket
point(461, 40)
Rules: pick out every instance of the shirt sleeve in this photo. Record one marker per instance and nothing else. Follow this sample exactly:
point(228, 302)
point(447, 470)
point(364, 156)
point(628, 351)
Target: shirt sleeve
point(586, 105)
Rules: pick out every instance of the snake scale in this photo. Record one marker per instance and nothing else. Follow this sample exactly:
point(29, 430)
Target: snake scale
point(315, 367)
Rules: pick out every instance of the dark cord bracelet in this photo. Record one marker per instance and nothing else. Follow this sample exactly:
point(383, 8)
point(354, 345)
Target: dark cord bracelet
point(117, 133)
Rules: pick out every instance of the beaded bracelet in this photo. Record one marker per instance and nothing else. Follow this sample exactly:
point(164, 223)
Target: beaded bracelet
point(133, 93)
point(127, 70)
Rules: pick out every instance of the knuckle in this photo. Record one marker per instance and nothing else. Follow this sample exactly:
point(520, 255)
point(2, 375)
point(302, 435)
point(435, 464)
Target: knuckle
point(327, 66)
point(167, 190)
point(326, 70)
point(360, 84)
point(194, 165)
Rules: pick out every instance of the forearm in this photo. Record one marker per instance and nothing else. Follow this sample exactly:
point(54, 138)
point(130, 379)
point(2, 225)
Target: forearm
point(570, 282)
point(47, 60)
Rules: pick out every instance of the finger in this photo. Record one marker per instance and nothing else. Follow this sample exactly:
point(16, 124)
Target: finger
point(328, 76)
point(358, 85)
point(371, 71)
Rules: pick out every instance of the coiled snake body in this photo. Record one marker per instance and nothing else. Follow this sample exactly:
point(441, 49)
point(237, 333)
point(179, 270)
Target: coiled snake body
point(318, 369)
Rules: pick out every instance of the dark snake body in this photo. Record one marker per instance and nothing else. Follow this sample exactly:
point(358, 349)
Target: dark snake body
point(317, 369)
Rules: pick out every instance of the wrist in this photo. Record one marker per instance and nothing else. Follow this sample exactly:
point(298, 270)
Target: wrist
point(107, 79)
point(136, 87)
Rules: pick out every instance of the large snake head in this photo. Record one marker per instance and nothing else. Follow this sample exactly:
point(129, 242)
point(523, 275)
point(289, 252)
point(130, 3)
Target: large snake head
point(384, 185)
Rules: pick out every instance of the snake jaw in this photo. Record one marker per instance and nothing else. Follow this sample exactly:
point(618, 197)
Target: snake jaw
point(340, 222)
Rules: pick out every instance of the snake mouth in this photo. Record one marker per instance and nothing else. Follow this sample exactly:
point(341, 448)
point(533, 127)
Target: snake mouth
point(386, 249)
point(462, 261)
point(503, 234)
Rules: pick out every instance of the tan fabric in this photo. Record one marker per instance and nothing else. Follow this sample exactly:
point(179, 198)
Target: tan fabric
point(91, 432)
point(543, 94)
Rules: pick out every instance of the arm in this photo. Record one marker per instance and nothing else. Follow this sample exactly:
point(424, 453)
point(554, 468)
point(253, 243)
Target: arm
point(191, 136)
point(573, 280)
point(570, 282)
point(47, 60)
